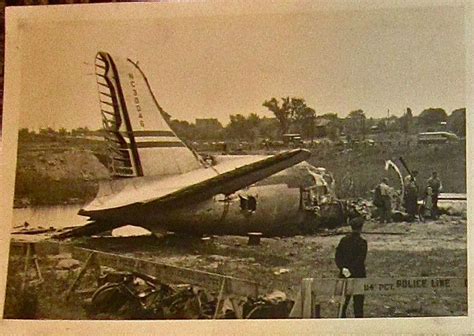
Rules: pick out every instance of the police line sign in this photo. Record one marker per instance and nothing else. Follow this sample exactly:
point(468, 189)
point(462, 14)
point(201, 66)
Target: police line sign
point(314, 289)
point(407, 285)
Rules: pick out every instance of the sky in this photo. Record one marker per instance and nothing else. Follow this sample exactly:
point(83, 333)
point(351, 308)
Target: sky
point(216, 65)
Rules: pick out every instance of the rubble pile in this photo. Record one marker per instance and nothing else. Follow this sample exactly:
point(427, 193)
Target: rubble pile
point(134, 295)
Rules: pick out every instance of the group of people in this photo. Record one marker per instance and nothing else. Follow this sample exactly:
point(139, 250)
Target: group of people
point(383, 197)
point(351, 251)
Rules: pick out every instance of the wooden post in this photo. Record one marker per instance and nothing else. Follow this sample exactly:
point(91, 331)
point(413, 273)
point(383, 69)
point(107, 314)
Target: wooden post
point(317, 310)
point(254, 238)
point(25, 268)
point(35, 261)
point(307, 297)
point(88, 263)
point(342, 298)
point(219, 298)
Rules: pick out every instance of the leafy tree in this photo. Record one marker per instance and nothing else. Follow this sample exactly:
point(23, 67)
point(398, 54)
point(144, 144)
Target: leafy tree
point(406, 121)
point(382, 125)
point(334, 122)
point(268, 128)
point(356, 122)
point(236, 129)
point(166, 115)
point(333, 117)
point(282, 113)
point(393, 124)
point(333, 133)
point(208, 129)
point(432, 116)
point(184, 129)
point(47, 131)
point(457, 122)
point(23, 132)
point(242, 128)
point(304, 117)
point(292, 110)
point(357, 114)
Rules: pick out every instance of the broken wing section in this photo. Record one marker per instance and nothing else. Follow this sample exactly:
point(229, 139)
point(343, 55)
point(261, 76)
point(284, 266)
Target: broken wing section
point(140, 140)
point(194, 186)
point(146, 196)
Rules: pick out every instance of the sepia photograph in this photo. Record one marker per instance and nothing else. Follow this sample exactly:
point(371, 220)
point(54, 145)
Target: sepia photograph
point(198, 161)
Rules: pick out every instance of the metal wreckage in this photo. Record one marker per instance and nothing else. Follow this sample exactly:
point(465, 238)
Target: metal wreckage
point(161, 184)
point(134, 295)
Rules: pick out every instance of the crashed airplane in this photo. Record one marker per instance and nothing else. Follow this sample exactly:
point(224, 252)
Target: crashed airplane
point(161, 184)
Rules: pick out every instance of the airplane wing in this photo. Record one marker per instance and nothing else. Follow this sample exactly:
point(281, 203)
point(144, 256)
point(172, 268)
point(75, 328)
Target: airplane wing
point(193, 186)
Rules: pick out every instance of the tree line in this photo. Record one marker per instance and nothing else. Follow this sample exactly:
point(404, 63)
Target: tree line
point(293, 115)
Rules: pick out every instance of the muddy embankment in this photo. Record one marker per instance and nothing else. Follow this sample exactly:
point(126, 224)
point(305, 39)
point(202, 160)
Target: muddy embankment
point(357, 171)
point(57, 171)
point(66, 170)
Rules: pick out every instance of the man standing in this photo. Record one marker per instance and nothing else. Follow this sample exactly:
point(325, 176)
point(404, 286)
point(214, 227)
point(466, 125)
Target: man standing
point(350, 259)
point(383, 201)
point(411, 195)
point(435, 184)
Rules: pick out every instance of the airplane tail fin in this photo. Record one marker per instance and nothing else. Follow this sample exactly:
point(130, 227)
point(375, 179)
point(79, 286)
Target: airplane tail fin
point(139, 138)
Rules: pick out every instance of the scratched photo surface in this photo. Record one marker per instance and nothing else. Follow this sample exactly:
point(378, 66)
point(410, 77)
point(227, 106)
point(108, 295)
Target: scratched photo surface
point(191, 162)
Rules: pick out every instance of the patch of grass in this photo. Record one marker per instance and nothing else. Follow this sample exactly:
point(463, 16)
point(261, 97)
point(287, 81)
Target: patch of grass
point(357, 172)
point(40, 300)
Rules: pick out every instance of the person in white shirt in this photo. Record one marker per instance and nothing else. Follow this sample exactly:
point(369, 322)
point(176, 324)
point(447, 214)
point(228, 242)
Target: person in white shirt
point(383, 201)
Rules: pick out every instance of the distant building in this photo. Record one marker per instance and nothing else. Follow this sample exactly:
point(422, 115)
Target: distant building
point(321, 126)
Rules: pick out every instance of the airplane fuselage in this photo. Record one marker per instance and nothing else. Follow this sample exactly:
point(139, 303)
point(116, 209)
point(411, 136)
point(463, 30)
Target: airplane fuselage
point(161, 184)
point(281, 204)
point(270, 209)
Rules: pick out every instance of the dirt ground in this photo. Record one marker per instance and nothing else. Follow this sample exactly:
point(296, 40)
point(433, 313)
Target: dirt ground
point(63, 171)
point(432, 248)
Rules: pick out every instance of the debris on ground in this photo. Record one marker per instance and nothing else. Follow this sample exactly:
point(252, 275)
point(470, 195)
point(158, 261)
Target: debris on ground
point(281, 271)
point(123, 295)
point(429, 248)
point(67, 264)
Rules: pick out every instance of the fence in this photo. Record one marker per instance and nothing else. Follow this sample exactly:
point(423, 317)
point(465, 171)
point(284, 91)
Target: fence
point(314, 289)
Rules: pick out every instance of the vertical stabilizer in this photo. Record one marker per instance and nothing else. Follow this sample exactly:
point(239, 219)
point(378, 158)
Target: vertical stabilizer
point(140, 140)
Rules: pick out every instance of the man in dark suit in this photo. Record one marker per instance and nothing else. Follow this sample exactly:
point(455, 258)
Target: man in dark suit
point(435, 184)
point(350, 259)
